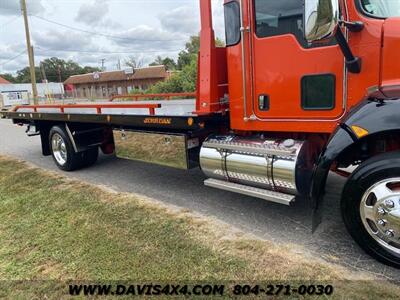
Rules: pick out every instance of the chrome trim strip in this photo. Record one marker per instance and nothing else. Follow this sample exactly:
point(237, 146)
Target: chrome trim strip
point(242, 35)
point(253, 149)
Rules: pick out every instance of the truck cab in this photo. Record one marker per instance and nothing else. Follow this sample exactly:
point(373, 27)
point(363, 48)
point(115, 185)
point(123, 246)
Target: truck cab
point(280, 81)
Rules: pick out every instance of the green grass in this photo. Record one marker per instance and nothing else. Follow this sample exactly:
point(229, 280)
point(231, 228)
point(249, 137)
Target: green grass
point(53, 229)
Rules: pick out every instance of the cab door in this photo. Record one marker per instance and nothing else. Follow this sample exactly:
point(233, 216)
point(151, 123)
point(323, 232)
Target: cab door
point(291, 79)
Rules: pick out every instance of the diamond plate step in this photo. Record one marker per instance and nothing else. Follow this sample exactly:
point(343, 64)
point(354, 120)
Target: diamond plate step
point(272, 196)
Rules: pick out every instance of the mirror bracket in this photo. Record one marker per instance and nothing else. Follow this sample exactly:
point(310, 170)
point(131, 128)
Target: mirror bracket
point(353, 26)
point(353, 63)
point(354, 66)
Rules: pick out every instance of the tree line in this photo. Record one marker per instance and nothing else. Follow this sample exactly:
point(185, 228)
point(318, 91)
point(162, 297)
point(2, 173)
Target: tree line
point(52, 69)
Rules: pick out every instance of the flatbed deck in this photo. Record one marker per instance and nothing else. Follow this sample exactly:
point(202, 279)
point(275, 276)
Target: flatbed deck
point(155, 114)
point(162, 108)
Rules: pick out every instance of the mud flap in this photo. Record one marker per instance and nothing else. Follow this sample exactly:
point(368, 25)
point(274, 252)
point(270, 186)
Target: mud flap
point(337, 144)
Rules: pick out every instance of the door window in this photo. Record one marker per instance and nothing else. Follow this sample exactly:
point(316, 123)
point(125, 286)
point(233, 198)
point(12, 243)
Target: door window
point(280, 17)
point(318, 92)
point(382, 8)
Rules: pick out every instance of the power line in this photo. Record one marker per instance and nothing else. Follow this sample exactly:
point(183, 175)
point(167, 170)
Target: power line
point(103, 34)
point(10, 21)
point(10, 9)
point(108, 52)
point(14, 58)
point(83, 51)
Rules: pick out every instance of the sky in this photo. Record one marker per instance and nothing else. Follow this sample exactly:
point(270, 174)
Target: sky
point(87, 31)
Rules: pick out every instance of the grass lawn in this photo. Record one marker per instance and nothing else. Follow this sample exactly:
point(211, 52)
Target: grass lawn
point(54, 229)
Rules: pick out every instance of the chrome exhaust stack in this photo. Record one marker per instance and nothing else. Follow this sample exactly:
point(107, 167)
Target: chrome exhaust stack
point(276, 166)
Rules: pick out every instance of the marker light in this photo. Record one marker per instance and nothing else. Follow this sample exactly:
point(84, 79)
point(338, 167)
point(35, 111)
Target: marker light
point(359, 131)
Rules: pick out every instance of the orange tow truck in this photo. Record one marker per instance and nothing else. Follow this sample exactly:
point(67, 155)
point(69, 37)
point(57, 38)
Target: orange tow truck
point(302, 88)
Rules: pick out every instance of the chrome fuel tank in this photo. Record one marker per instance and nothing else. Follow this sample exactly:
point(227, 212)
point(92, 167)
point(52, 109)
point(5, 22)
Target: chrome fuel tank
point(253, 161)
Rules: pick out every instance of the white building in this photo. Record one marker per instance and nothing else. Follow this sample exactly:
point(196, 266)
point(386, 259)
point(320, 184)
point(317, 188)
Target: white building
point(17, 94)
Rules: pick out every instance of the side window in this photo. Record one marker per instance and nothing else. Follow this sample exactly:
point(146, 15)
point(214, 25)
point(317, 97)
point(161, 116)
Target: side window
point(381, 9)
point(278, 17)
point(232, 23)
point(318, 92)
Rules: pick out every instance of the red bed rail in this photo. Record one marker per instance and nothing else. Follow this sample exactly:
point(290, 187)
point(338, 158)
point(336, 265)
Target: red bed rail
point(166, 96)
point(98, 107)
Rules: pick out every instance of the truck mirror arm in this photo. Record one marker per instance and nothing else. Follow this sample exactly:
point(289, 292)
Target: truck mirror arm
point(353, 26)
point(353, 63)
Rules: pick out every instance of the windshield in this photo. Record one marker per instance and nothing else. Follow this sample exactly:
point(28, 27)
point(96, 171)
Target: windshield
point(382, 8)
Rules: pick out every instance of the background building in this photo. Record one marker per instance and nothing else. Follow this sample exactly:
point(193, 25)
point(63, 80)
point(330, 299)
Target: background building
point(3, 81)
point(17, 94)
point(106, 84)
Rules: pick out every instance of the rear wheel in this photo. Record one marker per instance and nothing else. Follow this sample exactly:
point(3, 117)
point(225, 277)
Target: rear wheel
point(371, 207)
point(63, 151)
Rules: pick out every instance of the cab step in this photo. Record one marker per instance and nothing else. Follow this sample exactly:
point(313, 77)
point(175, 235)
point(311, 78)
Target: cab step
point(271, 196)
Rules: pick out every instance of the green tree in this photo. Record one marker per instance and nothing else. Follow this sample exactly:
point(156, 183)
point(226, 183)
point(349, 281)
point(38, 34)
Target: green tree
point(180, 82)
point(59, 70)
point(185, 79)
point(54, 70)
point(168, 62)
point(87, 69)
point(191, 51)
point(24, 75)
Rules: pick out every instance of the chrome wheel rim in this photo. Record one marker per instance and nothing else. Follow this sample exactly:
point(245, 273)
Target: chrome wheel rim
point(380, 214)
point(59, 149)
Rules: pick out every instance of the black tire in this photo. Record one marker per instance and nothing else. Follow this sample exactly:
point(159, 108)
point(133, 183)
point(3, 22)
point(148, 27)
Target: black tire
point(369, 174)
point(72, 160)
point(89, 157)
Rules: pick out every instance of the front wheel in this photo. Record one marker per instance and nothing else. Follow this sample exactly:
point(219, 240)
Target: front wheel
point(371, 207)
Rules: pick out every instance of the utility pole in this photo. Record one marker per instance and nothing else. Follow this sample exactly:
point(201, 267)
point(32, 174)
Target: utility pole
point(30, 52)
point(59, 74)
point(103, 60)
point(43, 73)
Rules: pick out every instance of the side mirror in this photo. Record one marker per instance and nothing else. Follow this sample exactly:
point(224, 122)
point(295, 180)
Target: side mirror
point(321, 19)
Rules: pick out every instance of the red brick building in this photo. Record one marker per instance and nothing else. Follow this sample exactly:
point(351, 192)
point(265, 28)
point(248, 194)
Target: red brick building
point(3, 81)
point(107, 84)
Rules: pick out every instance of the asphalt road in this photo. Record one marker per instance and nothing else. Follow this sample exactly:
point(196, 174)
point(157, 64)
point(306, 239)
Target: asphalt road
point(273, 222)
